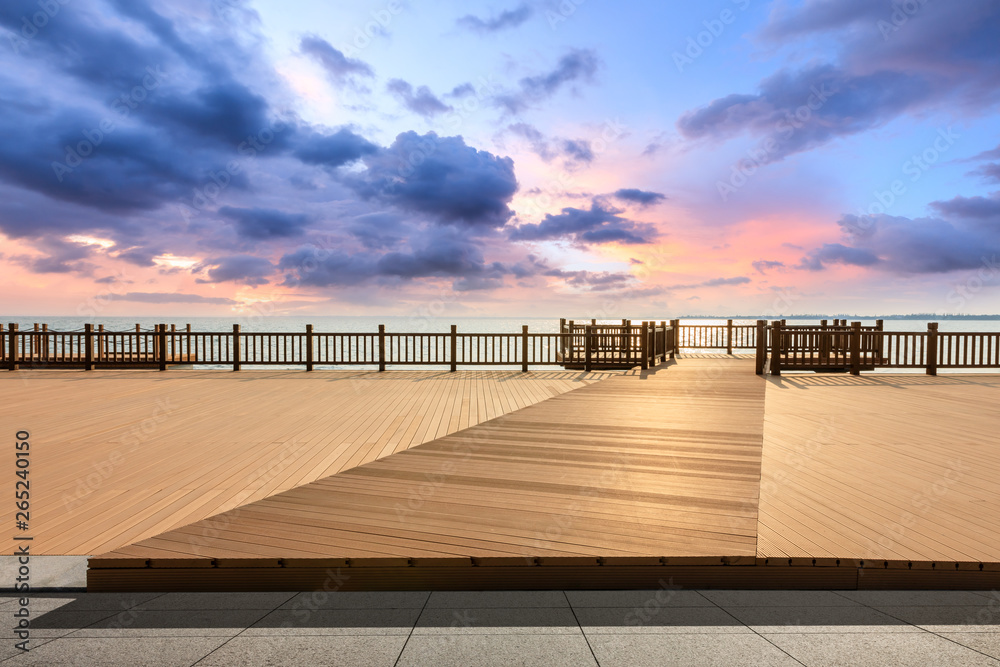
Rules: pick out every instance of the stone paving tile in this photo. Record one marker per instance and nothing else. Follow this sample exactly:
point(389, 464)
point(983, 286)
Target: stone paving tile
point(878, 649)
point(984, 642)
point(8, 650)
point(913, 598)
point(497, 651)
point(505, 599)
point(175, 623)
point(121, 651)
point(95, 601)
point(638, 599)
point(488, 621)
point(192, 601)
point(295, 651)
point(725, 598)
point(690, 620)
point(336, 622)
point(819, 619)
point(687, 650)
point(979, 618)
point(56, 623)
point(358, 600)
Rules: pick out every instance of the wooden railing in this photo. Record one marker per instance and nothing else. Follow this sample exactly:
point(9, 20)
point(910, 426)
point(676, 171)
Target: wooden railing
point(162, 347)
point(587, 346)
point(856, 348)
point(616, 346)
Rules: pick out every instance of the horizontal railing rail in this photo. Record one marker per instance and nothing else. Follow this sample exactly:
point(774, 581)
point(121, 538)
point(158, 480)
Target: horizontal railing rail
point(857, 348)
point(822, 347)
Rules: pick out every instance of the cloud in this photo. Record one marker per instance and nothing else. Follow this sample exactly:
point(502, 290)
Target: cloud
point(245, 269)
point(440, 254)
point(60, 257)
point(600, 224)
point(378, 231)
point(762, 266)
point(332, 150)
point(510, 18)
point(422, 102)
point(577, 150)
point(439, 177)
point(837, 253)
point(642, 197)
point(574, 151)
point(168, 297)
point(981, 208)
point(992, 154)
point(989, 172)
point(595, 281)
point(339, 67)
point(926, 59)
point(226, 112)
point(904, 246)
point(577, 65)
point(538, 141)
point(795, 111)
point(265, 223)
point(714, 282)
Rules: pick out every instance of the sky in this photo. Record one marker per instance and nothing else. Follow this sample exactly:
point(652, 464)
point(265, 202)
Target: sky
point(535, 158)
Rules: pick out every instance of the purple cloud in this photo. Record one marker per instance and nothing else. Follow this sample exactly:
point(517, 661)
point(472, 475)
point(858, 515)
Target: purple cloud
point(510, 18)
point(599, 224)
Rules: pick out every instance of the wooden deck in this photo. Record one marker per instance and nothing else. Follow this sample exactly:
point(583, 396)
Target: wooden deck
point(695, 473)
point(617, 473)
point(120, 456)
point(894, 470)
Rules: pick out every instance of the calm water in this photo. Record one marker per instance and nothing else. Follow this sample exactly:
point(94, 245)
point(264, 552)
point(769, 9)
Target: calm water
point(415, 324)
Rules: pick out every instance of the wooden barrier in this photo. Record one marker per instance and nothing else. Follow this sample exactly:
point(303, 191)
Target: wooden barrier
point(779, 347)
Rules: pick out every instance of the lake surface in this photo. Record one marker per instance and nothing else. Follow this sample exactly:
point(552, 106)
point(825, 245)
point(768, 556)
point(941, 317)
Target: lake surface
point(281, 324)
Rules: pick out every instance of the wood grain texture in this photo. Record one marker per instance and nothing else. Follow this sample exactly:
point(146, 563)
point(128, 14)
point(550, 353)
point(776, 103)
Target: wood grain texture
point(119, 456)
point(664, 462)
point(901, 468)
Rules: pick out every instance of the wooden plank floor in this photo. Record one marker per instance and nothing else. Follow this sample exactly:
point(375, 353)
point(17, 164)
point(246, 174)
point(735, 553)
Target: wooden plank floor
point(119, 456)
point(631, 469)
point(898, 468)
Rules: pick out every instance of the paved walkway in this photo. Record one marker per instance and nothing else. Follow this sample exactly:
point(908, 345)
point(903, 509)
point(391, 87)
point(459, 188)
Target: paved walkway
point(546, 628)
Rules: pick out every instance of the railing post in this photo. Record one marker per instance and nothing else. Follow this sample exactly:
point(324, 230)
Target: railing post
point(309, 347)
point(562, 341)
point(572, 355)
point(100, 342)
point(88, 347)
point(12, 337)
point(381, 348)
point(729, 337)
point(651, 343)
point(761, 340)
point(236, 347)
point(644, 345)
point(932, 348)
point(676, 324)
point(880, 326)
point(588, 361)
point(855, 348)
point(524, 348)
point(776, 340)
point(162, 337)
point(454, 348)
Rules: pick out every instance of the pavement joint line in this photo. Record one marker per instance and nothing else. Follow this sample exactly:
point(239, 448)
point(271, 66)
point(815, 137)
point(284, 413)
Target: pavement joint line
point(931, 632)
point(733, 616)
point(243, 630)
point(412, 628)
point(582, 632)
